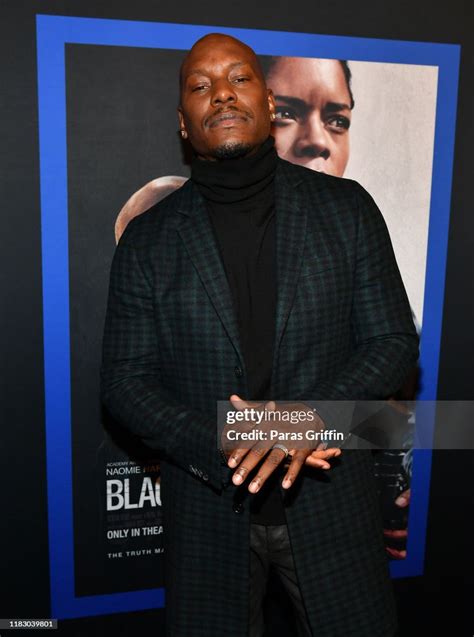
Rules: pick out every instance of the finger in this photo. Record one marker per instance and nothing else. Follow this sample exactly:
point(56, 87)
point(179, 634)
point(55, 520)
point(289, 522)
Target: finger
point(272, 461)
point(396, 534)
point(403, 499)
point(239, 403)
point(317, 463)
point(297, 462)
point(236, 456)
point(396, 555)
point(227, 437)
point(336, 451)
point(251, 460)
point(318, 458)
point(287, 460)
point(333, 452)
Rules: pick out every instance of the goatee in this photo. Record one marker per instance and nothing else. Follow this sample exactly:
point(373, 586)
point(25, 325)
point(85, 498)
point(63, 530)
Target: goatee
point(232, 150)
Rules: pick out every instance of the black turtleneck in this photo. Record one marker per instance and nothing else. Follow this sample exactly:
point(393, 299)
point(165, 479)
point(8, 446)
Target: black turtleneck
point(240, 198)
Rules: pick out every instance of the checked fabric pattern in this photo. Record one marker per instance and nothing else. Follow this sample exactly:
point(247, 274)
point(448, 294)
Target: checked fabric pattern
point(171, 350)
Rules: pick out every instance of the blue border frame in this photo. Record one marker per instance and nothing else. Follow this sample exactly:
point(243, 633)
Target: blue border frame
point(53, 32)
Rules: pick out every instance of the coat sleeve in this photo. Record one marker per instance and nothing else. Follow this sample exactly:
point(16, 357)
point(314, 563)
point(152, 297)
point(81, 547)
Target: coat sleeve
point(131, 387)
point(384, 335)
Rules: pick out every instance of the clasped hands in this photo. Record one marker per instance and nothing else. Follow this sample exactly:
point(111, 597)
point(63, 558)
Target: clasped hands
point(244, 460)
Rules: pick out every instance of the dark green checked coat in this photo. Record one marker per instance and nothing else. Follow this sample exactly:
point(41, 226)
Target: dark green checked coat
point(171, 350)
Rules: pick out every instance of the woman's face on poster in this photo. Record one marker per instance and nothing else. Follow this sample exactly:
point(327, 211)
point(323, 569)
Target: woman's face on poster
point(313, 113)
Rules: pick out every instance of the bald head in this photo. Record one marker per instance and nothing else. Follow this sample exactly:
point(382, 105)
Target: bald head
point(217, 40)
point(225, 108)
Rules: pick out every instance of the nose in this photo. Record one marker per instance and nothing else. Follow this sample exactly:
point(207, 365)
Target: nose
point(312, 139)
point(222, 93)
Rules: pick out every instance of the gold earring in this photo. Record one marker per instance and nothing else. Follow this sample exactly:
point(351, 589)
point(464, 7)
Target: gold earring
point(272, 116)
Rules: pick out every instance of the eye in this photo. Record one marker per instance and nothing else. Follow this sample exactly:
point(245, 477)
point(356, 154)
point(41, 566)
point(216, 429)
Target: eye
point(285, 113)
point(241, 79)
point(338, 123)
point(199, 88)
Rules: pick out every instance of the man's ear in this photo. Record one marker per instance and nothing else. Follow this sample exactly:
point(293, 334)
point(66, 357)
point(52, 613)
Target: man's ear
point(182, 127)
point(271, 104)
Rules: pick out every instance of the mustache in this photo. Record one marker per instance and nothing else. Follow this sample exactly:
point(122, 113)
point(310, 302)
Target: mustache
point(223, 110)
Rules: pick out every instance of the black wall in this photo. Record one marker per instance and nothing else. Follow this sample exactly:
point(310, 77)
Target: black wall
point(445, 592)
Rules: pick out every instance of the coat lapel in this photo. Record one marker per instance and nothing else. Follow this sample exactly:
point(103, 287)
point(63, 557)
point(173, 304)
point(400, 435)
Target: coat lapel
point(198, 237)
point(290, 240)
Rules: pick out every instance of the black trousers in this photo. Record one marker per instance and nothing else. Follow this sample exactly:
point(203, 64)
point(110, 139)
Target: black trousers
point(270, 549)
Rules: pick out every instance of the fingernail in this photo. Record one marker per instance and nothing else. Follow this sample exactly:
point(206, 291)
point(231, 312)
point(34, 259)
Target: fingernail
point(286, 483)
point(253, 487)
point(237, 479)
point(401, 501)
point(232, 462)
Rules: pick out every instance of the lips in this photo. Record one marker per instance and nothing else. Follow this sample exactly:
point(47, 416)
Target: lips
point(226, 118)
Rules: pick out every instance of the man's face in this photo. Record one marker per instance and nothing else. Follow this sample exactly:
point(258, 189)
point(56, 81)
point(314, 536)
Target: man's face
point(313, 114)
point(225, 106)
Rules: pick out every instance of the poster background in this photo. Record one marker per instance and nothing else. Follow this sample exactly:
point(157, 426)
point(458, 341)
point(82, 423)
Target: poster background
point(392, 135)
point(121, 123)
point(121, 132)
point(53, 34)
point(423, 601)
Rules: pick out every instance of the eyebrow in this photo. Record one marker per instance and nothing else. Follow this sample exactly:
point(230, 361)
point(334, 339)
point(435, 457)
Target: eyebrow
point(205, 72)
point(331, 107)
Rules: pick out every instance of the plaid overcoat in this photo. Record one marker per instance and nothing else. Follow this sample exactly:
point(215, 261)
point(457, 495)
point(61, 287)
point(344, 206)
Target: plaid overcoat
point(171, 350)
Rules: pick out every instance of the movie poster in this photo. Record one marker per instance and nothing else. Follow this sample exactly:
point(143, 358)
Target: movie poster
point(371, 121)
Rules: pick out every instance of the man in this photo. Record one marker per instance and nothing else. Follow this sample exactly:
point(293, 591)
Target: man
point(257, 280)
point(313, 110)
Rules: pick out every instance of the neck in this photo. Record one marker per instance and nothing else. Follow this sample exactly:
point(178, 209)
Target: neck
point(231, 152)
point(232, 180)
